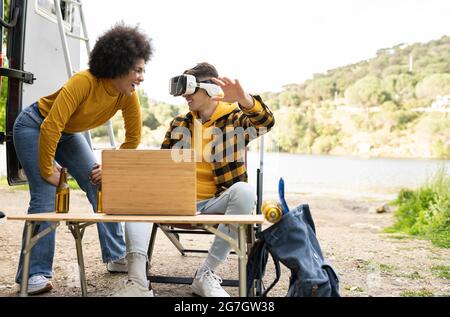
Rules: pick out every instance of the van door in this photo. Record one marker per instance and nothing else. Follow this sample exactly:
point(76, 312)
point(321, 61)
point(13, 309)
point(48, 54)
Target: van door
point(35, 52)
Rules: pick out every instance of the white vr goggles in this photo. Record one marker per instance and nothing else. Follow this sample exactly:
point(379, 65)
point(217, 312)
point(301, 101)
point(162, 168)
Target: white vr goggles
point(188, 85)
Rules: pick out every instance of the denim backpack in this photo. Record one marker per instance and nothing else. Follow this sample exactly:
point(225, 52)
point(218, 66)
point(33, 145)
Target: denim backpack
point(293, 242)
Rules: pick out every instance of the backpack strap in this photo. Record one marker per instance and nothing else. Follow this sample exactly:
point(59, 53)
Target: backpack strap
point(276, 262)
point(256, 266)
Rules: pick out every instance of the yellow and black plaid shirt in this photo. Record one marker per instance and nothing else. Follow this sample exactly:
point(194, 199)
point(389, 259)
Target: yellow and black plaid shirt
point(227, 169)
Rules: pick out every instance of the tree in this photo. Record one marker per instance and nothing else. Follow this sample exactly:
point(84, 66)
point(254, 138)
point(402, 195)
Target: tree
point(434, 85)
point(3, 81)
point(288, 98)
point(368, 91)
point(321, 89)
point(400, 87)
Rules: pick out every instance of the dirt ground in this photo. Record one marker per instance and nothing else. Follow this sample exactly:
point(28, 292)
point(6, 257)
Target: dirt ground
point(368, 261)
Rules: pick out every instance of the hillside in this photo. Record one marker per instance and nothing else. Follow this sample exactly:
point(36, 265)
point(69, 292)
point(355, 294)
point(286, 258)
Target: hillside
point(395, 105)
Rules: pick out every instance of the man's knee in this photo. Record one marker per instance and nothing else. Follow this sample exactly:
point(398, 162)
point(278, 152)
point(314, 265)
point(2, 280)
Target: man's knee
point(244, 196)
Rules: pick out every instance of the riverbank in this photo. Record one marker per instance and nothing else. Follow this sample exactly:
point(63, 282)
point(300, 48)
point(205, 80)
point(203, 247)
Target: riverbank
point(368, 261)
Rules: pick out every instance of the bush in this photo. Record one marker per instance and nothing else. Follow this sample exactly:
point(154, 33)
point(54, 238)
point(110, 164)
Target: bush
point(368, 91)
point(441, 149)
point(3, 94)
point(389, 106)
point(434, 85)
point(402, 118)
point(426, 212)
point(324, 144)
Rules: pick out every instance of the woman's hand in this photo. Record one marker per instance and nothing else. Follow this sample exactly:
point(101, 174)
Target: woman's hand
point(233, 92)
point(96, 174)
point(54, 178)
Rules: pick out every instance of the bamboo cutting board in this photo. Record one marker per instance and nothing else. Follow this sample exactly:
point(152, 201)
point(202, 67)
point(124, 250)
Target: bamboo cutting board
point(148, 182)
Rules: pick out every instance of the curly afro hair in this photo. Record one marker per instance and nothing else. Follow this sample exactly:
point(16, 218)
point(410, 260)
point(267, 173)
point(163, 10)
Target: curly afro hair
point(116, 52)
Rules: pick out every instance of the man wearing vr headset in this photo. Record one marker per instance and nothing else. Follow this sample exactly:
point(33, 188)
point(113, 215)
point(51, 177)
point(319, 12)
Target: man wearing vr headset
point(218, 106)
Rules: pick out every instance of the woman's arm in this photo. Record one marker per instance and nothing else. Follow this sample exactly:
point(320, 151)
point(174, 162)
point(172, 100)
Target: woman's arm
point(133, 122)
point(69, 98)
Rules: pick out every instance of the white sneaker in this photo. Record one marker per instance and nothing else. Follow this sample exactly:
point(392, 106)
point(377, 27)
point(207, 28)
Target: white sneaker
point(208, 285)
point(118, 266)
point(38, 284)
point(133, 289)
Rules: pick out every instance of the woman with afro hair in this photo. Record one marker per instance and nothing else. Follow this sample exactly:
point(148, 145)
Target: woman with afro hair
point(47, 135)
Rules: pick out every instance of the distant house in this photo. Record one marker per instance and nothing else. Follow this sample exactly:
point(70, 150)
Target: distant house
point(441, 102)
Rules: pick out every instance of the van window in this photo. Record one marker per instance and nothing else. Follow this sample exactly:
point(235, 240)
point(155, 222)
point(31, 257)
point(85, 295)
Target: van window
point(47, 8)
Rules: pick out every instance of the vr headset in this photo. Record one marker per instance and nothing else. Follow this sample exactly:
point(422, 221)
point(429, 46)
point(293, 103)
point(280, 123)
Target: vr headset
point(188, 85)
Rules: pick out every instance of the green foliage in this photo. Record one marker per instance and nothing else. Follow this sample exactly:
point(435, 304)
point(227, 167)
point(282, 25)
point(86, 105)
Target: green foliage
point(324, 144)
point(422, 293)
point(368, 91)
point(155, 116)
point(442, 271)
point(290, 133)
point(4, 80)
point(73, 184)
point(400, 87)
point(149, 120)
point(434, 85)
point(411, 104)
point(390, 91)
point(321, 89)
point(288, 98)
point(403, 117)
point(3, 96)
point(412, 276)
point(4, 182)
point(390, 67)
point(441, 149)
point(389, 107)
point(425, 212)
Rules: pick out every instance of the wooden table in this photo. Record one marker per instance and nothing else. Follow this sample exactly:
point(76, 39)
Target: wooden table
point(77, 223)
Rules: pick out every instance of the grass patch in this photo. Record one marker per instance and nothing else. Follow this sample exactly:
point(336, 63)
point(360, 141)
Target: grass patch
point(386, 268)
point(374, 266)
point(422, 293)
point(425, 212)
point(442, 271)
point(353, 288)
point(412, 276)
point(4, 182)
point(73, 184)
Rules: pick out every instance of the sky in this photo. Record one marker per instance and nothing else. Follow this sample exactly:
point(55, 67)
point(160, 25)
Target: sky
point(266, 43)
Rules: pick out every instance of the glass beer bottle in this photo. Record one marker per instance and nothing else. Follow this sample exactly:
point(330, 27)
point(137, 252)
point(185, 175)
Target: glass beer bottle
point(62, 193)
point(99, 199)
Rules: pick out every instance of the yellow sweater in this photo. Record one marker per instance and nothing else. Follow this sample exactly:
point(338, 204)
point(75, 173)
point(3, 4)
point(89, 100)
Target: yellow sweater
point(206, 185)
point(83, 103)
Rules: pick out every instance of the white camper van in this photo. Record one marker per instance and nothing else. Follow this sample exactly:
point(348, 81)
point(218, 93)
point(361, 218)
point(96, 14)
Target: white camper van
point(45, 40)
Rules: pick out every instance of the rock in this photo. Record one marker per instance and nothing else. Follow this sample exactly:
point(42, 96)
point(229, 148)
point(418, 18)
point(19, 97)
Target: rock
point(383, 209)
point(399, 282)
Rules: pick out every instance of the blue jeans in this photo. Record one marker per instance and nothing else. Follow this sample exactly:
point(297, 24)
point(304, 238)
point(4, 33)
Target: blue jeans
point(74, 153)
point(239, 199)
